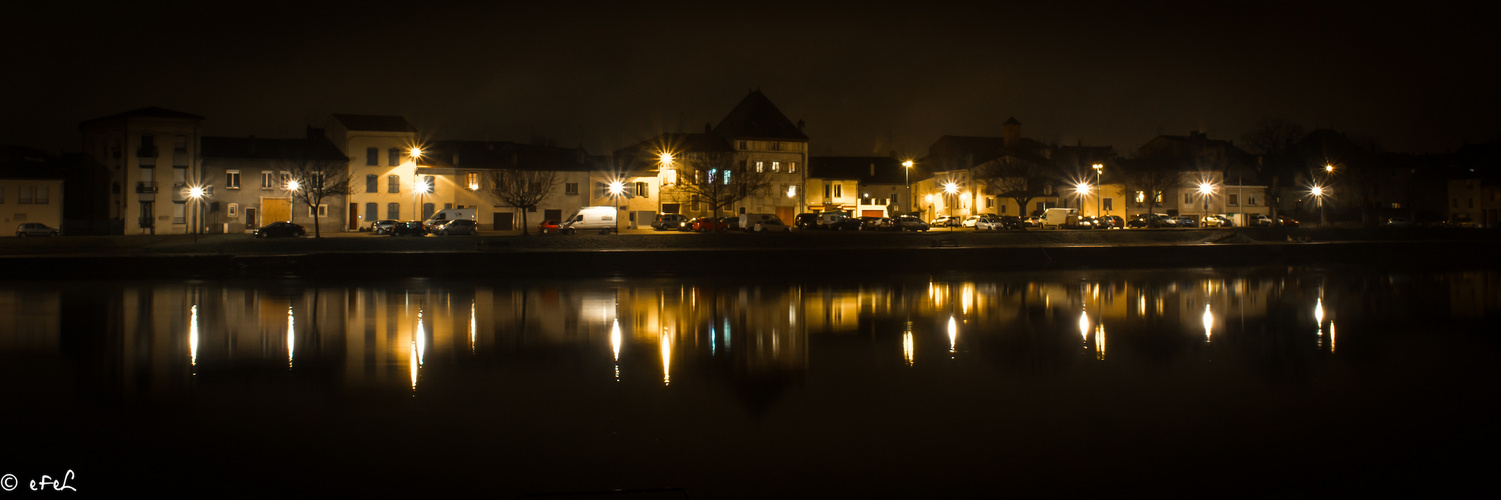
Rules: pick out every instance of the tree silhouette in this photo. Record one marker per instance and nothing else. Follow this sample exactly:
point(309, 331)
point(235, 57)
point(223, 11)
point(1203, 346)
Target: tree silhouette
point(720, 180)
point(523, 189)
point(318, 179)
point(1015, 178)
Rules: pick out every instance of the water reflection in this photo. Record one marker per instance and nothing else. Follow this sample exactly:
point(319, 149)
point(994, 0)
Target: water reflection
point(371, 335)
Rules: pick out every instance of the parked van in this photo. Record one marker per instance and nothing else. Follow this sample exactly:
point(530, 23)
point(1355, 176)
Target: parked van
point(602, 219)
point(449, 214)
point(1060, 217)
point(748, 221)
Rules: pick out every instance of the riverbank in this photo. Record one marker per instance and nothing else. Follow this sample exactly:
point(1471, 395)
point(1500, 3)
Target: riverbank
point(359, 256)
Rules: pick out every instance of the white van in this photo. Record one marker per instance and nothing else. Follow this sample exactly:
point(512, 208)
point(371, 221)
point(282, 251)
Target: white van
point(1060, 217)
point(449, 214)
point(602, 219)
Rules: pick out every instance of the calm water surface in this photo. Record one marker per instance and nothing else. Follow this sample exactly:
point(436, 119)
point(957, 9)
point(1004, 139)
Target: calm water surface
point(1262, 381)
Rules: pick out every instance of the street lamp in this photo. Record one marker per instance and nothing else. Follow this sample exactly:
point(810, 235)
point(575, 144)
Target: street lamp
point(422, 188)
point(292, 186)
point(1099, 200)
point(949, 188)
point(907, 178)
point(417, 185)
point(1081, 190)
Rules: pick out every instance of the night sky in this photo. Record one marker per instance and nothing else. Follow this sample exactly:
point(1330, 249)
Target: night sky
point(603, 75)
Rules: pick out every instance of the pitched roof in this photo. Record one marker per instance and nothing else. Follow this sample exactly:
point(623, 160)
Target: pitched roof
point(148, 112)
point(375, 123)
point(20, 162)
point(757, 118)
point(867, 169)
point(505, 155)
point(254, 148)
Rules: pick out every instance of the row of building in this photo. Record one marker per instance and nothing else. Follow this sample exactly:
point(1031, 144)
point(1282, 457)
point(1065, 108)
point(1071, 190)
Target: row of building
point(138, 171)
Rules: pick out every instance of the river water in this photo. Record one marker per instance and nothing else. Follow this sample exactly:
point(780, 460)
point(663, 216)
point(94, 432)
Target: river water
point(1195, 382)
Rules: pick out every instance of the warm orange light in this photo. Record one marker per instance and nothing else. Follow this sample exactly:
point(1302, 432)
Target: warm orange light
point(1205, 188)
point(665, 157)
point(415, 152)
point(907, 164)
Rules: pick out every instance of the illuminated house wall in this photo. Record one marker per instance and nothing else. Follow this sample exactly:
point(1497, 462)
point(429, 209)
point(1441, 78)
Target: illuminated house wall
point(378, 146)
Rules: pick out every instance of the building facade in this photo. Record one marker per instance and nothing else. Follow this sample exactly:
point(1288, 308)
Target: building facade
point(151, 157)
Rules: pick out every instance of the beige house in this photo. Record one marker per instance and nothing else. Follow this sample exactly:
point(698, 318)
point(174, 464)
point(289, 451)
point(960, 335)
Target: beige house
point(248, 178)
point(152, 157)
point(462, 175)
point(29, 197)
point(381, 164)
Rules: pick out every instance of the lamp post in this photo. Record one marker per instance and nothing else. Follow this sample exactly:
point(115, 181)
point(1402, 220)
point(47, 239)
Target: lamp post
point(1318, 196)
point(1081, 190)
point(664, 165)
point(292, 186)
point(417, 185)
point(1205, 189)
point(1099, 199)
point(949, 189)
point(196, 192)
point(617, 189)
point(907, 178)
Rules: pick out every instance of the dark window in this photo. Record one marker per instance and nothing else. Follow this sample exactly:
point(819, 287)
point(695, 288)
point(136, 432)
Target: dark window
point(372, 157)
point(427, 211)
point(372, 183)
point(393, 184)
point(370, 214)
point(552, 214)
point(393, 157)
point(393, 211)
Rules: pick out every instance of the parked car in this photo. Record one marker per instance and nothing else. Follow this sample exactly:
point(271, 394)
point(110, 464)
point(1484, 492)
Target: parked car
point(1259, 220)
point(910, 223)
point(34, 229)
point(1184, 221)
point(806, 221)
point(1111, 222)
point(281, 228)
point(452, 227)
point(669, 222)
point(1285, 221)
point(549, 226)
point(382, 226)
point(706, 224)
point(408, 228)
point(730, 223)
point(994, 223)
point(945, 221)
point(1217, 221)
point(880, 224)
point(841, 224)
point(1399, 221)
point(1033, 221)
point(970, 221)
point(772, 225)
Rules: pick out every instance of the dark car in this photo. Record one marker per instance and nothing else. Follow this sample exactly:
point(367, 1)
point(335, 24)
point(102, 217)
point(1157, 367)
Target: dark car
point(910, 223)
point(1111, 222)
point(731, 223)
point(843, 224)
point(806, 221)
point(456, 226)
point(549, 226)
point(665, 222)
point(281, 228)
point(407, 228)
point(34, 229)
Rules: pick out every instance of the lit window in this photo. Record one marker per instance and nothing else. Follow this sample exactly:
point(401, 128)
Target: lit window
point(571, 188)
point(233, 210)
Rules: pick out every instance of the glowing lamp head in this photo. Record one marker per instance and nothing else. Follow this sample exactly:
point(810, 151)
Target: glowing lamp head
point(791, 191)
point(196, 192)
point(1082, 188)
point(423, 188)
point(1098, 167)
point(928, 198)
point(665, 158)
point(907, 164)
point(293, 185)
point(415, 153)
point(950, 188)
point(1318, 190)
point(1205, 188)
point(616, 188)
point(1329, 168)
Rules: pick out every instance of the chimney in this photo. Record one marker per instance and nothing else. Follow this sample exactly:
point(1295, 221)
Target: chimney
point(1013, 132)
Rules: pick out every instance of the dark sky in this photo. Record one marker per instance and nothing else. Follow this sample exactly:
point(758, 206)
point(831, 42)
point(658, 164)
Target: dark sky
point(602, 75)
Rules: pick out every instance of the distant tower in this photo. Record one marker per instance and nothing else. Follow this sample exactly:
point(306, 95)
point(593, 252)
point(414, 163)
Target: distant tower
point(1013, 131)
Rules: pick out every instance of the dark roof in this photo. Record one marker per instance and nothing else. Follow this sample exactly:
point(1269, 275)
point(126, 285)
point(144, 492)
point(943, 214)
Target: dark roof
point(757, 118)
point(887, 170)
point(254, 148)
point(375, 123)
point(20, 162)
point(506, 155)
point(149, 112)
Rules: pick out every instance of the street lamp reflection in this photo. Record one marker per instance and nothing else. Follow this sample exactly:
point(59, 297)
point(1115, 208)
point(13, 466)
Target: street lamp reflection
point(953, 334)
point(1208, 322)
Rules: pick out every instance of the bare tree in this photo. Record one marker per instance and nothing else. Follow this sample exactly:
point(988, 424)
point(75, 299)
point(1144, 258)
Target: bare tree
point(719, 180)
point(523, 189)
point(1151, 175)
point(316, 180)
point(1273, 139)
point(1014, 178)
